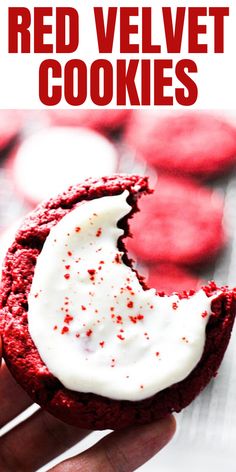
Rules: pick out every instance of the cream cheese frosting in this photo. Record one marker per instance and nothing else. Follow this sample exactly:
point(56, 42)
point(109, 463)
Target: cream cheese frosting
point(95, 327)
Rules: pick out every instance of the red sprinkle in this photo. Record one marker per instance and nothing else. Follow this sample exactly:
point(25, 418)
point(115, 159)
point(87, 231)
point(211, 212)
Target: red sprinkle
point(117, 258)
point(174, 306)
point(120, 337)
point(134, 319)
point(157, 353)
point(89, 332)
point(64, 330)
point(92, 273)
point(68, 319)
point(99, 232)
point(55, 327)
point(67, 276)
point(36, 295)
point(204, 314)
point(77, 229)
point(67, 267)
point(69, 253)
point(102, 343)
point(83, 307)
point(77, 335)
point(130, 305)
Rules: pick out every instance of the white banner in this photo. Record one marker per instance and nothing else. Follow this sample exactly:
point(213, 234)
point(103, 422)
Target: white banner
point(138, 53)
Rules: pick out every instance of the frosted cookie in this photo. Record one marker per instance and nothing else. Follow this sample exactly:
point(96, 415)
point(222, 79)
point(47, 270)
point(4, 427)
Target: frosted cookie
point(181, 222)
point(196, 144)
point(53, 158)
point(81, 333)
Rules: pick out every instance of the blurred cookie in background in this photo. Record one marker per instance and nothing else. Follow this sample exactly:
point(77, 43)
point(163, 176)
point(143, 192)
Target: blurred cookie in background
point(102, 120)
point(197, 144)
point(180, 223)
point(48, 161)
point(170, 278)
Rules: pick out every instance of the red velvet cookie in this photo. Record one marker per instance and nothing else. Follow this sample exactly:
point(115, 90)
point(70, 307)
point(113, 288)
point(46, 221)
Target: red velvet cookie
point(196, 144)
point(101, 120)
point(89, 410)
point(181, 222)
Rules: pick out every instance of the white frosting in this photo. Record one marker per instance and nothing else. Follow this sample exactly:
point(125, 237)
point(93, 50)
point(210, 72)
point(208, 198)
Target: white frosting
point(101, 332)
point(51, 159)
